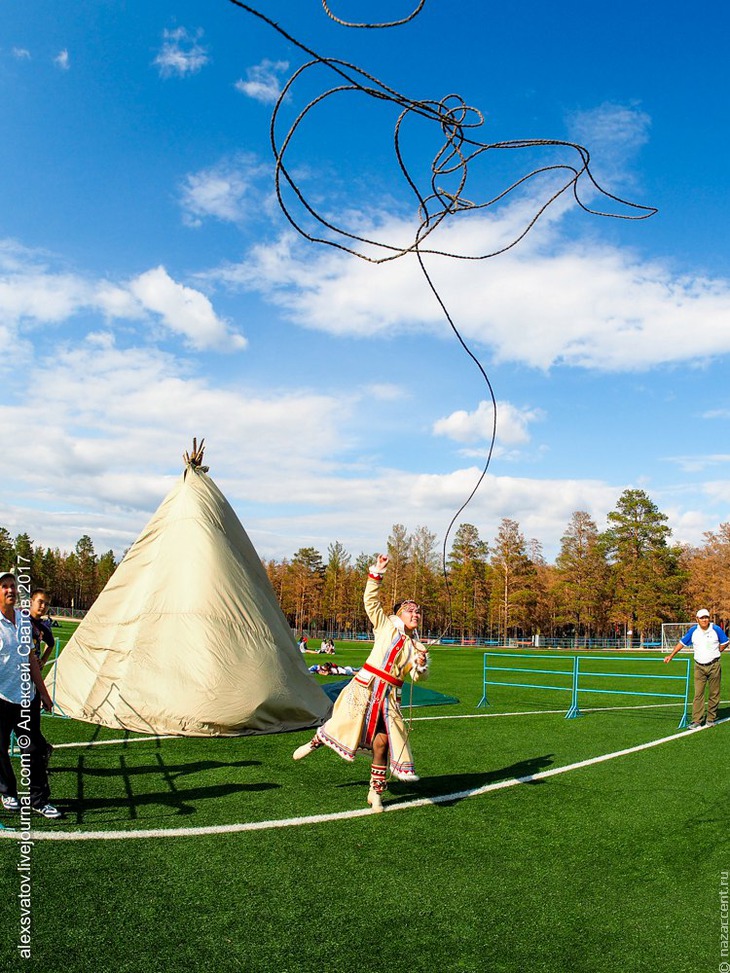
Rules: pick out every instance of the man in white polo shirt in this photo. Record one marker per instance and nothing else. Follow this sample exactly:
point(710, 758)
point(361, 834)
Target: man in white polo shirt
point(707, 641)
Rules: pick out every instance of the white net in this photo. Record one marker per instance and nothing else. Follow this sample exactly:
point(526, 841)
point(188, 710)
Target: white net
point(672, 632)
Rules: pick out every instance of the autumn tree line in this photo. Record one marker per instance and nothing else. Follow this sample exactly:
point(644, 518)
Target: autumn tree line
point(628, 577)
point(73, 579)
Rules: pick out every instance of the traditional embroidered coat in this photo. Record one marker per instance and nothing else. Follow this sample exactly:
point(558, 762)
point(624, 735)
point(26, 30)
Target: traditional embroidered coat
point(376, 689)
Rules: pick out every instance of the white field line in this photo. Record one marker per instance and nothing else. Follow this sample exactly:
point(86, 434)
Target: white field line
point(454, 716)
point(543, 712)
point(103, 743)
point(337, 815)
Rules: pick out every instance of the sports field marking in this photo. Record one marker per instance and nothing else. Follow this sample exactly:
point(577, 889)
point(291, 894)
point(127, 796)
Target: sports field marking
point(454, 716)
point(102, 743)
point(544, 712)
point(338, 815)
point(481, 716)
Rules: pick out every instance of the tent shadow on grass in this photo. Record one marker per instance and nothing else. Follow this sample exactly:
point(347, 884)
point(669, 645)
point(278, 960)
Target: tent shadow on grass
point(184, 801)
point(176, 770)
point(437, 786)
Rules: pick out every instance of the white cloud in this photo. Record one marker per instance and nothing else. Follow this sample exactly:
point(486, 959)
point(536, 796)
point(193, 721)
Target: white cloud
point(263, 81)
point(108, 448)
point(610, 124)
point(120, 420)
point(116, 301)
point(181, 54)
point(613, 133)
point(44, 297)
point(21, 53)
point(333, 292)
point(699, 463)
point(477, 426)
point(32, 294)
point(549, 301)
point(225, 191)
point(184, 310)
point(542, 507)
point(14, 256)
point(719, 492)
point(385, 392)
point(61, 60)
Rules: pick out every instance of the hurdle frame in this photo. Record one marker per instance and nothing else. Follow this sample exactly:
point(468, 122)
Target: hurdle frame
point(574, 710)
point(575, 672)
point(484, 701)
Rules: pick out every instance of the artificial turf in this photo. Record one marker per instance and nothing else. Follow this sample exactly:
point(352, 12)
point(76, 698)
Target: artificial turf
point(613, 866)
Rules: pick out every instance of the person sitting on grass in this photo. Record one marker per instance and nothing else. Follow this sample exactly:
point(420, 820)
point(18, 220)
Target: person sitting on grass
point(367, 714)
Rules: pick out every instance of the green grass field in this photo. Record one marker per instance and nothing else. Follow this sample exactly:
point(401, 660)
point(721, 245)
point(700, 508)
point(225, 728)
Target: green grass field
point(615, 865)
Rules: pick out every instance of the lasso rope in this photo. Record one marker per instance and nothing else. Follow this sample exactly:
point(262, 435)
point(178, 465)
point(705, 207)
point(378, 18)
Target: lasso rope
point(455, 120)
point(392, 23)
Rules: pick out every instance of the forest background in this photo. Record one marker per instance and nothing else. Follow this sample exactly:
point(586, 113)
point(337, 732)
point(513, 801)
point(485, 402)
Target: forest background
point(623, 581)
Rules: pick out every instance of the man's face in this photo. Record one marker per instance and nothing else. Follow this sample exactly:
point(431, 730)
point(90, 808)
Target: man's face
point(8, 593)
point(703, 622)
point(38, 605)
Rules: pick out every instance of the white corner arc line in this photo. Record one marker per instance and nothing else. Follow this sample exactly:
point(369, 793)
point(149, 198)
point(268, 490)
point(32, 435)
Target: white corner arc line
point(124, 740)
point(337, 815)
point(414, 719)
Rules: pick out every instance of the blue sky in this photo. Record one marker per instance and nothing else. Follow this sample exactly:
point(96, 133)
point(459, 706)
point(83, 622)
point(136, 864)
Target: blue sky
point(151, 288)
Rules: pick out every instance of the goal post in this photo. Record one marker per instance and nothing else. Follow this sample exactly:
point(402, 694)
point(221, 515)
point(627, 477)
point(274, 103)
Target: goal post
point(672, 632)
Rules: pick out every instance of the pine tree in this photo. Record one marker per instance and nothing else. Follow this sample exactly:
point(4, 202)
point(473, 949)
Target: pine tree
point(583, 576)
point(85, 572)
point(468, 581)
point(105, 568)
point(49, 574)
point(336, 576)
point(425, 577)
point(306, 579)
point(7, 551)
point(513, 588)
point(708, 576)
point(397, 575)
point(646, 573)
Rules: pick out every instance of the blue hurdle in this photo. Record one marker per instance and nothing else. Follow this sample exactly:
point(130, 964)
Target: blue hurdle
point(574, 710)
point(526, 685)
point(576, 673)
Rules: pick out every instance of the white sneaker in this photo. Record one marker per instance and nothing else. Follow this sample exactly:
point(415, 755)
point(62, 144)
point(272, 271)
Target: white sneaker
point(301, 752)
point(10, 803)
point(407, 776)
point(49, 811)
point(375, 800)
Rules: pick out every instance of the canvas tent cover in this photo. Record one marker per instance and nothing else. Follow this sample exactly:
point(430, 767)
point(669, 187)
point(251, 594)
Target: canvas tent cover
point(188, 636)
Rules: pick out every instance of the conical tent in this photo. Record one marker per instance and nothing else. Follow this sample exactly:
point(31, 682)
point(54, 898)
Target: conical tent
point(188, 637)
